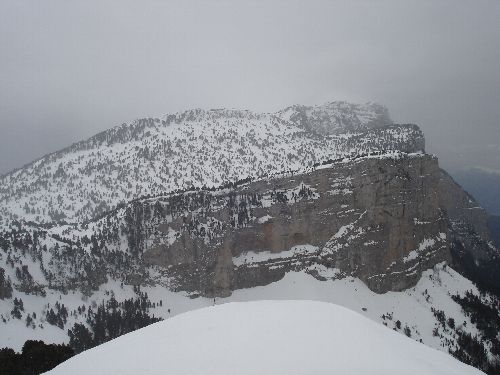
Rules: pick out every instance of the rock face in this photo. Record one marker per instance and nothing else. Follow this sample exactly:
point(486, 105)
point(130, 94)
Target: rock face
point(473, 250)
point(378, 219)
point(383, 219)
point(462, 207)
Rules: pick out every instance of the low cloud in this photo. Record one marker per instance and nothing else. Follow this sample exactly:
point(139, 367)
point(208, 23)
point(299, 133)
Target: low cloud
point(70, 69)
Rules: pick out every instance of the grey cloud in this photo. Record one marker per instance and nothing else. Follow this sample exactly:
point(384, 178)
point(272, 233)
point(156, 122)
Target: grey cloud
point(69, 69)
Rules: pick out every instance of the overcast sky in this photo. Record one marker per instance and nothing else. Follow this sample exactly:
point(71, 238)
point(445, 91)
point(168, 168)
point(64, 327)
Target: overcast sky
point(69, 69)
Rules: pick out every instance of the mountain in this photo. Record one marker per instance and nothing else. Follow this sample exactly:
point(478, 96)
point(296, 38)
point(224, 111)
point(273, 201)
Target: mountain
point(192, 149)
point(333, 202)
point(494, 225)
point(279, 337)
point(484, 185)
point(335, 117)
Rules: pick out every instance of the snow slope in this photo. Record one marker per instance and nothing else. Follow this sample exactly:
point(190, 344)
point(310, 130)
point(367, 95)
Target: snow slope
point(278, 337)
point(413, 307)
point(194, 148)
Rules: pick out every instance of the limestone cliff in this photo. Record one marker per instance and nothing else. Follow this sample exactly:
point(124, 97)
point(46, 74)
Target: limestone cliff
point(377, 218)
point(383, 219)
point(474, 253)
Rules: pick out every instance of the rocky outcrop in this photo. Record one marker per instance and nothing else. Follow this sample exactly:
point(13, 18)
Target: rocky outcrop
point(460, 206)
point(473, 250)
point(378, 219)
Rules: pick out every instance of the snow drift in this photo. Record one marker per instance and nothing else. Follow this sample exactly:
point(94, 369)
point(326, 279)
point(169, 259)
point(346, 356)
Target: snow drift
point(278, 337)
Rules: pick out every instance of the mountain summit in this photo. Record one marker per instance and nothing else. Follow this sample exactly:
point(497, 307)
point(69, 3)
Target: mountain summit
point(337, 117)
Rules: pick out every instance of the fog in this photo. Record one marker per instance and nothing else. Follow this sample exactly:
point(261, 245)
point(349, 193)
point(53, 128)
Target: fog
point(69, 69)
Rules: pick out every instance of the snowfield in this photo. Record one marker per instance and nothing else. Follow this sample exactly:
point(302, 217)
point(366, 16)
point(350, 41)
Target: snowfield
point(412, 307)
point(264, 337)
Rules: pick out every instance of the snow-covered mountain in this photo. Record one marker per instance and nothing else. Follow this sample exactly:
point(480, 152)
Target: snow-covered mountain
point(335, 117)
point(278, 337)
point(161, 216)
point(193, 149)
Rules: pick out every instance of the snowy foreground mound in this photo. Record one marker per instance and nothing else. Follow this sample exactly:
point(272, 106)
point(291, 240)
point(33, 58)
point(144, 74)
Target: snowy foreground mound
point(264, 337)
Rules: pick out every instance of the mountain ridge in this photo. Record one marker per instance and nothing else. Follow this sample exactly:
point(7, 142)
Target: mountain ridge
point(153, 155)
point(177, 116)
point(216, 204)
